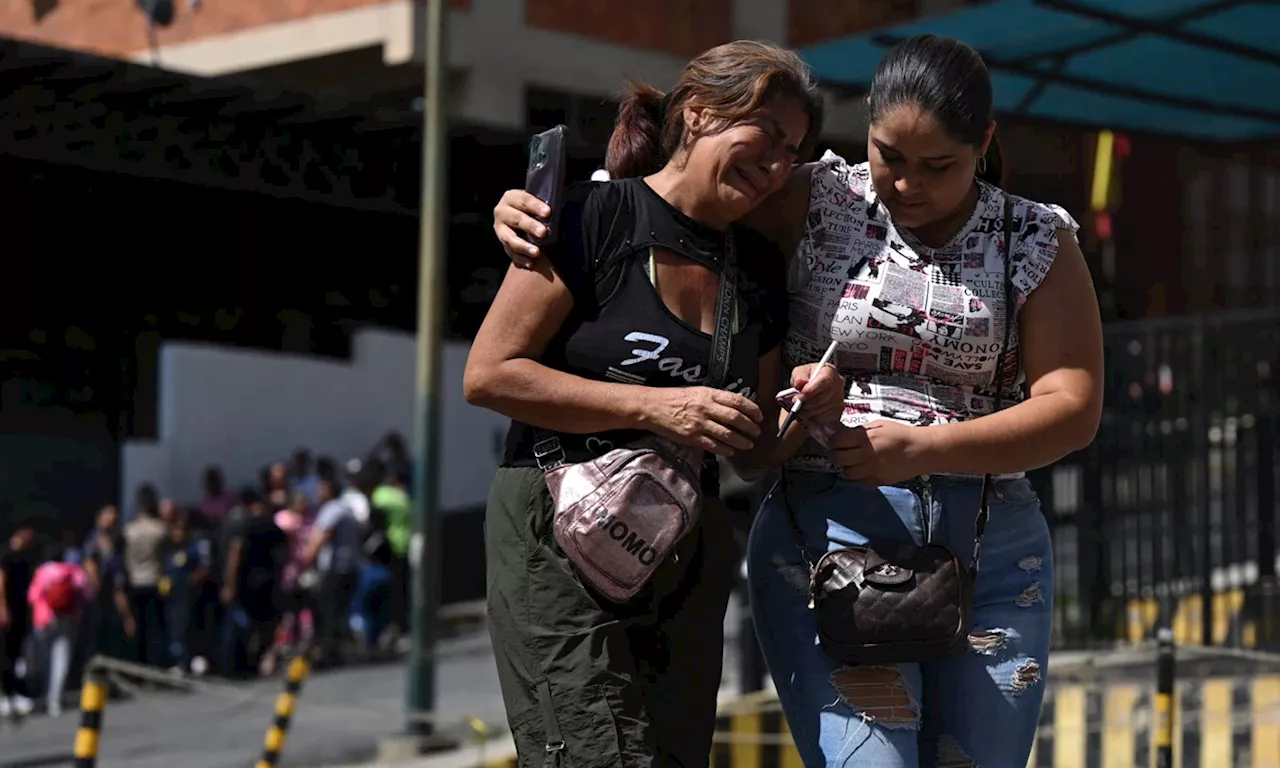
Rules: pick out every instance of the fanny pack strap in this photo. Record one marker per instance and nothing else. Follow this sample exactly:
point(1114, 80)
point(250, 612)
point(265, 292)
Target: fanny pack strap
point(549, 452)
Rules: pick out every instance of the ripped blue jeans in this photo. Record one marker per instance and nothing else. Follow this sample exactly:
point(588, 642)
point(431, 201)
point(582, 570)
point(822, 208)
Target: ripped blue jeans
point(978, 709)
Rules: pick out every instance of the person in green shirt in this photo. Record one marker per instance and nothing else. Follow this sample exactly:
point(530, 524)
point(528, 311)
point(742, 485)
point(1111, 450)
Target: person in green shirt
point(392, 499)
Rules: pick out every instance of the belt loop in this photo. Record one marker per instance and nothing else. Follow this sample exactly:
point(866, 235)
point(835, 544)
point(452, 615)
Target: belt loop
point(555, 741)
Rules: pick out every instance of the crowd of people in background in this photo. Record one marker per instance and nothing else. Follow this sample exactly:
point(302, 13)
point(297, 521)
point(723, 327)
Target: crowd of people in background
point(314, 557)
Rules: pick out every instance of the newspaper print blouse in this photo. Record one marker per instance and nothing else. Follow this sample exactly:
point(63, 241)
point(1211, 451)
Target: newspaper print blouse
point(917, 328)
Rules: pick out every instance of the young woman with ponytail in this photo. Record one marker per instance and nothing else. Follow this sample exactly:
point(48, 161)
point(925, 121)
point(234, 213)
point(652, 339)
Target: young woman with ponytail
point(608, 339)
point(902, 260)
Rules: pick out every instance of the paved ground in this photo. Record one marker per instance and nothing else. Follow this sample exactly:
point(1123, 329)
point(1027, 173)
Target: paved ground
point(341, 715)
point(340, 718)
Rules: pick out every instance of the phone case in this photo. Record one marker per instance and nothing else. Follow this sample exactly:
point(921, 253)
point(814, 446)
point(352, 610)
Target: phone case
point(786, 397)
point(545, 177)
point(823, 433)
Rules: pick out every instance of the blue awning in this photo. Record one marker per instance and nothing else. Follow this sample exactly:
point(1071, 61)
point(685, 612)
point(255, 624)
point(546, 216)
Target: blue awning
point(1190, 68)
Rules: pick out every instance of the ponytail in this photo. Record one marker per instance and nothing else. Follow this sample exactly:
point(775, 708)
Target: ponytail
point(993, 172)
point(636, 146)
point(728, 82)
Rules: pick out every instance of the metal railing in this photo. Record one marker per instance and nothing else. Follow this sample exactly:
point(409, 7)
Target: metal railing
point(1169, 518)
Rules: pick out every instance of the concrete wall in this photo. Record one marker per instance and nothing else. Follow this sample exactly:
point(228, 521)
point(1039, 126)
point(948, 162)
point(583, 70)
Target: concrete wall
point(243, 409)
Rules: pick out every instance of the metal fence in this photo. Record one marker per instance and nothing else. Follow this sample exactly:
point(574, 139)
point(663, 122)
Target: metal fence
point(1170, 517)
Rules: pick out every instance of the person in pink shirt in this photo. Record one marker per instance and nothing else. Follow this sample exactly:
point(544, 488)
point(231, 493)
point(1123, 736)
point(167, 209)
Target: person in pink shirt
point(295, 520)
point(218, 501)
point(58, 594)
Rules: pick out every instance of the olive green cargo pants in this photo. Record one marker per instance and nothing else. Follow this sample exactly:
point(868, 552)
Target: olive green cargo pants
point(591, 684)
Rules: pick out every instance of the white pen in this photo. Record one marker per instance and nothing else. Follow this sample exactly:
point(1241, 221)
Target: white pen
point(795, 407)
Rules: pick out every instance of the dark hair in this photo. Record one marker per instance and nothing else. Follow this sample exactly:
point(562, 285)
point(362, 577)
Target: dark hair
point(372, 472)
point(327, 469)
point(213, 483)
point(730, 81)
point(329, 484)
point(395, 445)
point(946, 78)
point(148, 500)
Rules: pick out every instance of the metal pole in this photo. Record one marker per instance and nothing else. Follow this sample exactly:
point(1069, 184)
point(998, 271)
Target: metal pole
point(278, 732)
point(1164, 699)
point(424, 557)
point(93, 700)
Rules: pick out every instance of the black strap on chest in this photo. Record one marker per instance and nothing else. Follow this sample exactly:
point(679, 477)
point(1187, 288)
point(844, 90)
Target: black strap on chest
point(549, 452)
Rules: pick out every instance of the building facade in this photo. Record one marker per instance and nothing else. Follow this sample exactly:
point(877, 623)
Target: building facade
point(518, 66)
point(501, 51)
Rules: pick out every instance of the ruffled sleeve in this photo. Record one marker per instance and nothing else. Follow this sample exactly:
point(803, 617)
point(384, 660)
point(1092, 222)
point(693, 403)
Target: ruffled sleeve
point(834, 185)
point(1036, 243)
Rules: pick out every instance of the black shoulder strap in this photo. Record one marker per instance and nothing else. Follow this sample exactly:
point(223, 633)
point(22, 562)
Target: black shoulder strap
point(984, 509)
point(548, 451)
point(570, 237)
point(722, 338)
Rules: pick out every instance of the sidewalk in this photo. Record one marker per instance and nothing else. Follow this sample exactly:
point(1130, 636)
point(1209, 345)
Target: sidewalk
point(465, 757)
point(1067, 669)
point(473, 756)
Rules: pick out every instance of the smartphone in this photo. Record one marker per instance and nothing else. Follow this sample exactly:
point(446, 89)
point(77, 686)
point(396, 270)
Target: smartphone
point(823, 433)
point(786, 397)
point(544, 178)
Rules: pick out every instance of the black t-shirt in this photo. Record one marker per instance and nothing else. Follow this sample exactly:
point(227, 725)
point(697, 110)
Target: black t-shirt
point(375, 546)
point(19, 568)
point(620, 329)
point(264, 548)
point(104, 549)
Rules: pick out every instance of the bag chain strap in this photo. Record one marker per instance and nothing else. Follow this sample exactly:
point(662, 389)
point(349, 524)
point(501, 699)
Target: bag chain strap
point(984, 509)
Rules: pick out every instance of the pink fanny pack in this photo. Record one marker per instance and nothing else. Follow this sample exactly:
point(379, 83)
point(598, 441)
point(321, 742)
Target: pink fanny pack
point(621, 515)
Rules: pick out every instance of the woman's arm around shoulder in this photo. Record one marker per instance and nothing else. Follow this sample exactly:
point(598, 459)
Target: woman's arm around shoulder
point(780, 218)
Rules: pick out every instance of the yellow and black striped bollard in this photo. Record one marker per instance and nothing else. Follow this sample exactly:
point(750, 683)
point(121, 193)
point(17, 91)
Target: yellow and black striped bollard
point(274, 742)
point(1165, 673)
point(93, 699)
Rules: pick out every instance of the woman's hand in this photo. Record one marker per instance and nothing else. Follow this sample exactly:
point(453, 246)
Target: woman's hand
point(513, 214)
point(715, 420)
point(822, 390)
point(882, 452)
